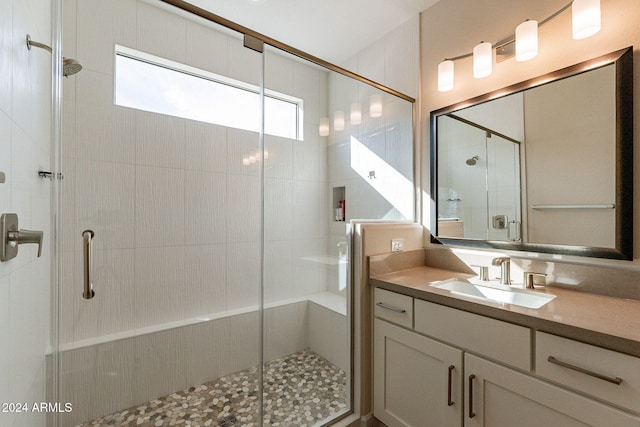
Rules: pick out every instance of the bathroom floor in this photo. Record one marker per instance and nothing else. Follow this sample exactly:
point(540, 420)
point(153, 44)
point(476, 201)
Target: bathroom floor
point(300, 389)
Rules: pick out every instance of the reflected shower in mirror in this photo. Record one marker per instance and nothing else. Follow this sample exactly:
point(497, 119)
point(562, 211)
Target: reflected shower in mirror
point(544, 168)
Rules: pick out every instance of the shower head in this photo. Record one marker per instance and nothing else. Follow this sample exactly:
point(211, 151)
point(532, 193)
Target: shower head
point(69, 66)
point(472, 161)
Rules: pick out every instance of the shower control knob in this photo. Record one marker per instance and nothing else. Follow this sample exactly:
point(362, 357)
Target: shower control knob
point(12, 237)
point(26, 236)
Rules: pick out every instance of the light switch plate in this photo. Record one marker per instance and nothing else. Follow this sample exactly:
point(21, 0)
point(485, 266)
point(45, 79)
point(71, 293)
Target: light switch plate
point(397, 245)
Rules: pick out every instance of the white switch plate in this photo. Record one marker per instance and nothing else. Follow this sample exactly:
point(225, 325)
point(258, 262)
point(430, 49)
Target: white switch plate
point(397, 245)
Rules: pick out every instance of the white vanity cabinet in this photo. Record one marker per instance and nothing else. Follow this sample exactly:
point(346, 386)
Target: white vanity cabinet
point(418, 381)
point(438, 366)
point(497, 396)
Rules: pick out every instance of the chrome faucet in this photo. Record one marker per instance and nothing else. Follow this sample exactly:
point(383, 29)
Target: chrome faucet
point(504, 263)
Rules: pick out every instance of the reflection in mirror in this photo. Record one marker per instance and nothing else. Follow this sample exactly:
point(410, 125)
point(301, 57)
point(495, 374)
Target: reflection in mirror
point(546, 168)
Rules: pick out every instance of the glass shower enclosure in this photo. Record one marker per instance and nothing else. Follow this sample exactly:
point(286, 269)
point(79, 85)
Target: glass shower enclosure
point(479, 194)
point(203, 252)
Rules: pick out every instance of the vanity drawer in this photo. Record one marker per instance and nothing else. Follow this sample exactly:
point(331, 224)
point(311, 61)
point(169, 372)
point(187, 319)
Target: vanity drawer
point(501, 341)
point(583, 363)
point(396, 308)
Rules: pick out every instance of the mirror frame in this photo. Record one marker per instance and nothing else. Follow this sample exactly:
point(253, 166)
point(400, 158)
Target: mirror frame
point(623, 250)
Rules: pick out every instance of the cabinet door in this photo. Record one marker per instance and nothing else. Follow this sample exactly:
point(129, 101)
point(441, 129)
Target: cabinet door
point(496, 396)
point(417, 381)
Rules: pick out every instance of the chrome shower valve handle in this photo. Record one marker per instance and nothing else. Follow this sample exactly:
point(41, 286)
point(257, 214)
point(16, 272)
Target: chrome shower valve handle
point(12, 237)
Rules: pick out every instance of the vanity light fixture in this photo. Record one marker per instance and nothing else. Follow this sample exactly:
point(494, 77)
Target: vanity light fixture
point(375, 105)
point(482, 60)
point(527, 40)
point(445, 76)
point(586, 22)
point(323, 127)
point(585, 16)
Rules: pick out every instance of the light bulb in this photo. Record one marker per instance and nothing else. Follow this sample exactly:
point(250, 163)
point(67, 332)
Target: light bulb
point(585, 18)
point(526, 41)
point(445, 76)
point(482, 60)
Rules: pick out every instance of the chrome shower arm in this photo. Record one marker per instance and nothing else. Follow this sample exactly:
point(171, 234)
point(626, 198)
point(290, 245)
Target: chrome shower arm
point(37, 44)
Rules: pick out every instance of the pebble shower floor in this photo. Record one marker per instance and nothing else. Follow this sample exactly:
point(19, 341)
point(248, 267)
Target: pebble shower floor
point(300, 390)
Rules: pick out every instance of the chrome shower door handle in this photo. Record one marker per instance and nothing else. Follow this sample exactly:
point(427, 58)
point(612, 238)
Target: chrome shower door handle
point(87, 244)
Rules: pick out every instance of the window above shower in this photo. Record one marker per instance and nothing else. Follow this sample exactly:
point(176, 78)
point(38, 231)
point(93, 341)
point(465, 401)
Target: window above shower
point(151, 83)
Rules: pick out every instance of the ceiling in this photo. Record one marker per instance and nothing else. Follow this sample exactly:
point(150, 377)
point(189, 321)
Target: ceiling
point(333, 30)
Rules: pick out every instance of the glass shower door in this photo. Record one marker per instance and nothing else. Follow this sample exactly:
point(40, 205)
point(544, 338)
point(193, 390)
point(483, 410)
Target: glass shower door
point(306, 337)
point(504, 189)
point(479, 194)
point(169, 183)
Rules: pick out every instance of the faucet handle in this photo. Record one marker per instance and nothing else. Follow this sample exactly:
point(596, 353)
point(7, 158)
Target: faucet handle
point(529, 278)
point(483, 272)
point(26, 236)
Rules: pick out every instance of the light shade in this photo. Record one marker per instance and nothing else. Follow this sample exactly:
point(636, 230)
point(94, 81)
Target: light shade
point(356, 114)
point(586, 18)
point(375, 105)
point(338, 120)
point(445, 76)
point(527, 41)
point(482, 60)
point(324, 129)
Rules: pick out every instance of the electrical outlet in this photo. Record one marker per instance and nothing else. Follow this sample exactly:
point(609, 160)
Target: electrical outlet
point(397, 245)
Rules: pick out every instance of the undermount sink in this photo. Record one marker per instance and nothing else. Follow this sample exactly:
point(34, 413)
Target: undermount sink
point(522, 298)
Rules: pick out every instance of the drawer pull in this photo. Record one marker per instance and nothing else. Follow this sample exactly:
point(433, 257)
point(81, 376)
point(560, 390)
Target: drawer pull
point(471, 413)
point(390, 307)
point(449, 401)
point(555, 361)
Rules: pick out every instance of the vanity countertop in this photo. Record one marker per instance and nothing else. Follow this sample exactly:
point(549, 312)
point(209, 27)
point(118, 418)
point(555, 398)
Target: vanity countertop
point(608, 322)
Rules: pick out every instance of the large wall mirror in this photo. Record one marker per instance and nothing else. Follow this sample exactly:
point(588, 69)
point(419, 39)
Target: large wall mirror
point(545, 165)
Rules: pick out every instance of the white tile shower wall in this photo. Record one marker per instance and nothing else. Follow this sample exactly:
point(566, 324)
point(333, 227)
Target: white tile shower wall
point(328, 335)
point(378, 145)
point(175, 212)
point(25, 110)
point(392, 61)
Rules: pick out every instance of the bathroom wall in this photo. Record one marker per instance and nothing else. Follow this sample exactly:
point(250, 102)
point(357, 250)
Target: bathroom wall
point(25, 139)
point(392, 60)
point(454, 27)
point(175, 212)
point(580, 137)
